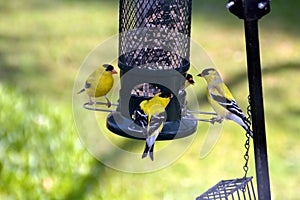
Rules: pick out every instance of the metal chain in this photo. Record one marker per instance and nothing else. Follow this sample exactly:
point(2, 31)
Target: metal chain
point(247, 143)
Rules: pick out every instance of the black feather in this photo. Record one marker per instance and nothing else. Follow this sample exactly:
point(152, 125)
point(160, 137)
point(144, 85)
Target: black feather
point(108, 67)
point(205, 72)
point(231, 106)
point(140, 118)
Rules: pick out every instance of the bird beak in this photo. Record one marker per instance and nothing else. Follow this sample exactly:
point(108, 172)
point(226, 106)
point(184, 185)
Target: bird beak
point(114, 71)
point(199, 75)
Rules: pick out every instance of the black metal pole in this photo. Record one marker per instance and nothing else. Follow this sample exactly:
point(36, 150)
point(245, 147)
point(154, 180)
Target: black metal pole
point(257, 109)
point(251, 11)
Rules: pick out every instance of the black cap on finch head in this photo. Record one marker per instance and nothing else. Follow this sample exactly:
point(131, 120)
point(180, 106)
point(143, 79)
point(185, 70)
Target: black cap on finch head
point(190, 79)
point(110, 68)
point(206, 72)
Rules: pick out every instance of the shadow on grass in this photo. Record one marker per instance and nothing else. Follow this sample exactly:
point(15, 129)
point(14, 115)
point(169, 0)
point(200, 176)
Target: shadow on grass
point(18, 67)
point(241, 77)
point(8, 71)
point(86, 184)
point(283, 17)
point(267, 70)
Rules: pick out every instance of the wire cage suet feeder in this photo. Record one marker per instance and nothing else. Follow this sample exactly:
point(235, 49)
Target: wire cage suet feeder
point(240, 188)
point(154, 50)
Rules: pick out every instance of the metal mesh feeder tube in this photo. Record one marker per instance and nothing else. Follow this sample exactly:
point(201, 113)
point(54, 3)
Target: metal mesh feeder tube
point(154, 50)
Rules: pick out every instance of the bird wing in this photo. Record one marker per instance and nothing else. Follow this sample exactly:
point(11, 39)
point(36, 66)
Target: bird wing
point(92, 77)
point(156, 123)
point(149, 126)
point(228, 104)
point(87, 84)
point(140, 118)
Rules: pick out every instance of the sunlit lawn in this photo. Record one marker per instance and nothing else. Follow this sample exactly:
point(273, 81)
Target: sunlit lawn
point(42, 45)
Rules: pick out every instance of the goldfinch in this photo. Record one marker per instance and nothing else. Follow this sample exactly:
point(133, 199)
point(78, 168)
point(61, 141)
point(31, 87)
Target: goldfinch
point(150, 115)
point(189, 80)
point(222, 101)
point(99, 83)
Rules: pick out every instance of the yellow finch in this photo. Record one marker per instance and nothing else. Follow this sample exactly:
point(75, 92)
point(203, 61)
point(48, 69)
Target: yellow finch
point(222, 101)
point(99, 83)
point(189, 80)
point(150, 115)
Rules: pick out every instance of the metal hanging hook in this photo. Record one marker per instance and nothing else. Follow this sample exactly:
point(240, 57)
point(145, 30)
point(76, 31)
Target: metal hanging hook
point(230, 4)
point(262, 5)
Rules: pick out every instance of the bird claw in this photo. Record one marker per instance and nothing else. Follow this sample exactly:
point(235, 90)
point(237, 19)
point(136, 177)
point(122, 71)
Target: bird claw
point(108, 104)
point(216, 119)
point(92, 102)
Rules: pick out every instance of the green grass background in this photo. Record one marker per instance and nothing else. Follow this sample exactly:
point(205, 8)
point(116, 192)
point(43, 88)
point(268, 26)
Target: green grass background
point(42, 45)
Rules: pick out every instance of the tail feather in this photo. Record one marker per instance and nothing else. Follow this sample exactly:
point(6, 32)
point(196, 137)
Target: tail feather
point(249, 131)
point(241, 122)
point(145, 153)
point(150, 146)
point(247, 128)
point(82, 90)
point(148, 152)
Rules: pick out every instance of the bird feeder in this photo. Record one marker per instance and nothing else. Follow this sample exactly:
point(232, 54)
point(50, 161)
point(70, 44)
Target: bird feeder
point(154, 54)
point(154, 50)
point(240, 188)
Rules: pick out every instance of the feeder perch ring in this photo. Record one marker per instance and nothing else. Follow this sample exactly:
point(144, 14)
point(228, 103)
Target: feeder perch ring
point(88, 106)
point(189, 116)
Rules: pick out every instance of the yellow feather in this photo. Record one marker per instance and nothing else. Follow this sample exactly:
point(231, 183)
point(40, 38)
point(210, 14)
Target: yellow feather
point(217, 92)
point(100, 82)
point(218, 88)
point(154, 105)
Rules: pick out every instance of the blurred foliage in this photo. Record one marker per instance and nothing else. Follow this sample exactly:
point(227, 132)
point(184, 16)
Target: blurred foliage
point(39, 149)
point(42, 45)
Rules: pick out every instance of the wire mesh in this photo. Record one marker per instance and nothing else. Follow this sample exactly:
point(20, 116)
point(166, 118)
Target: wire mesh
point(154, 39)
point(154, 33)
point(154, 51)
point(240, 188)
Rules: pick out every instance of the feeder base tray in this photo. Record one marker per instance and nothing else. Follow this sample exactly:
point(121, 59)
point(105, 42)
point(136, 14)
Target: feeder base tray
point(119, 124)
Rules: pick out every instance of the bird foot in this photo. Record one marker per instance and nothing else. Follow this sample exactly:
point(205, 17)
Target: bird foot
point(108, 101)
point(108, 104)
point(216, 119)
point(91, 102)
